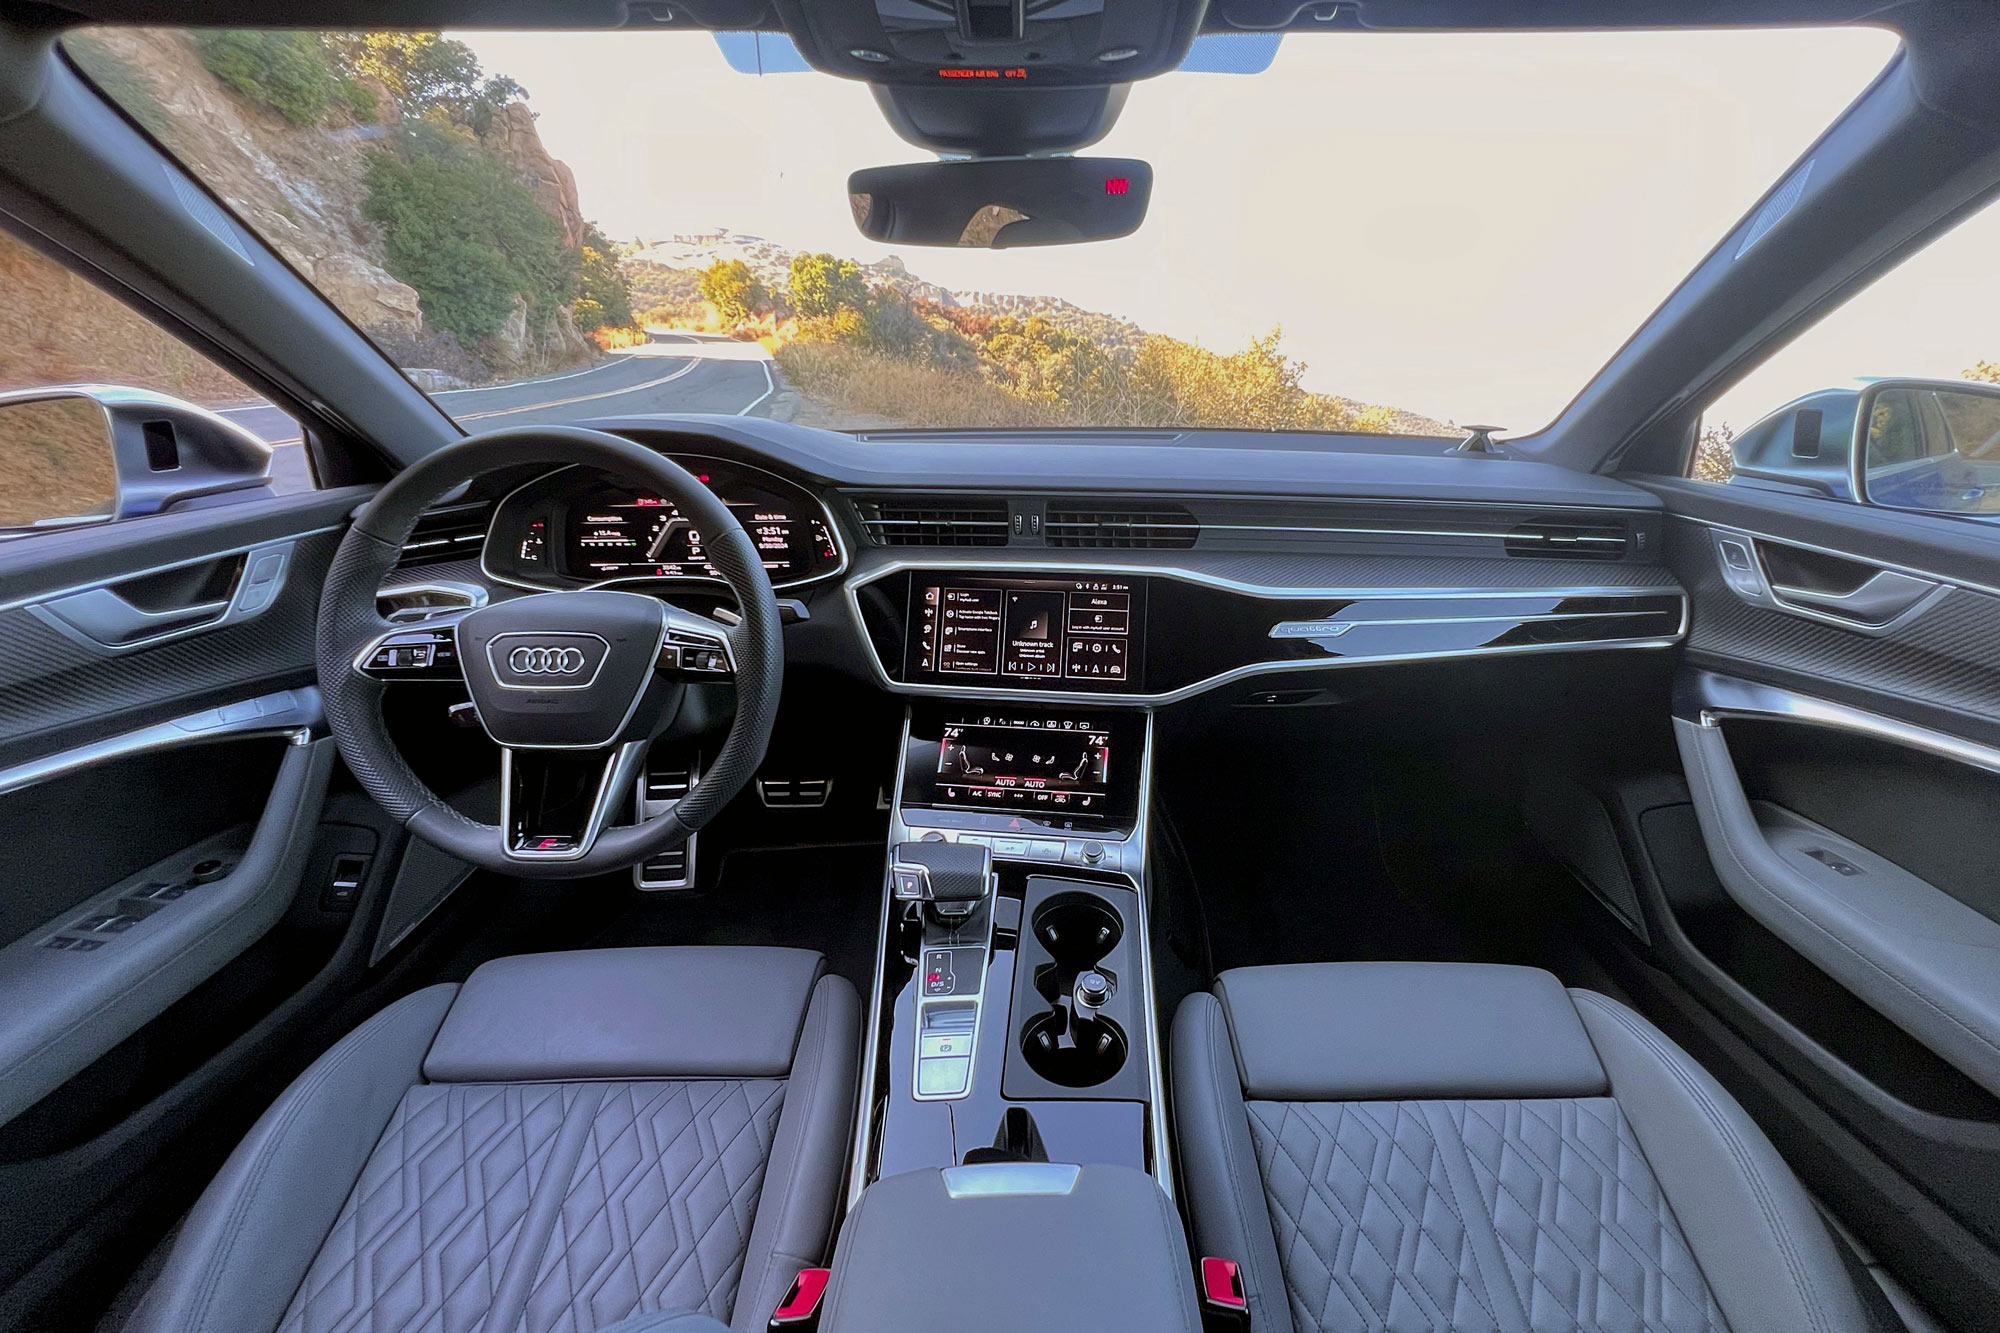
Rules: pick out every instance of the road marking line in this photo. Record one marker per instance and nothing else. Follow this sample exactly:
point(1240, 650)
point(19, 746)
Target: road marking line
point(583, 398)
point(770, 387)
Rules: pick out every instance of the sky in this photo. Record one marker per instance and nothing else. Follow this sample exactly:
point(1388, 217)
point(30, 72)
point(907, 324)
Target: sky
point(1461, 226)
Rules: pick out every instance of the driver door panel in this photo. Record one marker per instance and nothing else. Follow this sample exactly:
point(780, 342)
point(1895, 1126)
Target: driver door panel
point(164, 792)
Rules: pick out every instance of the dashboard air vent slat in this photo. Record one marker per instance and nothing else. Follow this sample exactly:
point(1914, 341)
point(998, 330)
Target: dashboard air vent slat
point(448, 532)
point(1569, 541)
point(935, 521)
point(1120, 527)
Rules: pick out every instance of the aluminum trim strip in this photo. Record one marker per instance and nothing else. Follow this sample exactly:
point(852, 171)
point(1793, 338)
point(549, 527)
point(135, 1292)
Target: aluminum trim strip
point(291, 714)
point(1724, 697)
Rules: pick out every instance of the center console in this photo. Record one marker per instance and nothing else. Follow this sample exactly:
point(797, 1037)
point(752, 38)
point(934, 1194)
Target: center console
point(1013, 1018)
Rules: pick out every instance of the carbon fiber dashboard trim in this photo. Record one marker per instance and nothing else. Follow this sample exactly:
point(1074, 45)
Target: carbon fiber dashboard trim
point(1947, 657)
point(49, 683)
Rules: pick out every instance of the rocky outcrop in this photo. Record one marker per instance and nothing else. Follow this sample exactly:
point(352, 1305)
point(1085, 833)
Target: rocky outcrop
point(301, 190)
point(511, 137)
point(304, 191)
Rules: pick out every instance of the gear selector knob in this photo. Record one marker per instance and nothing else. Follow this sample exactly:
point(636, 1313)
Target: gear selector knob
point(953, 877)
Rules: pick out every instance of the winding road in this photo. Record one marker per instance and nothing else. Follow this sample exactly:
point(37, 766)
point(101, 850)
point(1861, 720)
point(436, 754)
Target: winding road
point(675, 372)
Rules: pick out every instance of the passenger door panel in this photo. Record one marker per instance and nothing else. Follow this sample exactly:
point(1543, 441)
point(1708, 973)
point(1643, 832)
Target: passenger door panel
point(1823, 883)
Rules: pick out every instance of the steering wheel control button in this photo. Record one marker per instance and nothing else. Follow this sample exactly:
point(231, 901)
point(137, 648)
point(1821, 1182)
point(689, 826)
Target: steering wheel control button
point(424, 654)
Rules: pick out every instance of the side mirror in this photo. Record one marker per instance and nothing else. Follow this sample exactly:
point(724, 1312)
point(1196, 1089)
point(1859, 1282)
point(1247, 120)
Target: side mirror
point(1929, 445)
point(1001, 203)
point(88, 453)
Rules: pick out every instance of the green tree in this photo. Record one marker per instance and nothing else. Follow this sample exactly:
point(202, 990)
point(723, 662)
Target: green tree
point(426, 72)
point(286, 71)
point(604, 290)
point(466, 233)
point(822, 285)
point(733, 290)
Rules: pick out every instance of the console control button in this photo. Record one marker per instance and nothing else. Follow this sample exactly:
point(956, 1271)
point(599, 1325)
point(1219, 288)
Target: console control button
point(935, 1044)
point(1010, 846)
point(943, 1077)
point(938, 978)
point(1045, 849)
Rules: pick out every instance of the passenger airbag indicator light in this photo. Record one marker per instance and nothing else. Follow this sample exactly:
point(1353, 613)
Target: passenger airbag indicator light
point(1117, 184)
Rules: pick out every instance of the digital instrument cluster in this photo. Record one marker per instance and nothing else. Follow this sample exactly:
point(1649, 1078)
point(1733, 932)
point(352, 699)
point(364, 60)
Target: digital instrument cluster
point(1071, 633)
point(578, 527)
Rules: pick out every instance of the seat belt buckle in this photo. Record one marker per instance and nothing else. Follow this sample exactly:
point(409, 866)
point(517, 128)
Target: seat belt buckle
point(799, 1311)
point(1224, 1306)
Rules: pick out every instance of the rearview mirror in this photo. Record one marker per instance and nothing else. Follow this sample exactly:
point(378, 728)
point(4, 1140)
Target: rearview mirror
point(999, 203)
point(1930, 445)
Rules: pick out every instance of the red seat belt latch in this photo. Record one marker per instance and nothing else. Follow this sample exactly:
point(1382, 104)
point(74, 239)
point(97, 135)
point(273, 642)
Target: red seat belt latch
point(799, 1311)
point(1224, 1307)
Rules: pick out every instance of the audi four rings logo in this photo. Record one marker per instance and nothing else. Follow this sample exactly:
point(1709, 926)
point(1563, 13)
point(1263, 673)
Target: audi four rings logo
point(546, 661)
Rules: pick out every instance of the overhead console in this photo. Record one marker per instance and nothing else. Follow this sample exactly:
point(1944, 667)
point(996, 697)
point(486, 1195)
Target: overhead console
point(989, 631)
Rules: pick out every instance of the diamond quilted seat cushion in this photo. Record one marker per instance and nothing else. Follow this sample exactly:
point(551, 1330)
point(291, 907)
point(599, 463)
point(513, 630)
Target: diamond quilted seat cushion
point(1399, 1148)
point(565, 1142)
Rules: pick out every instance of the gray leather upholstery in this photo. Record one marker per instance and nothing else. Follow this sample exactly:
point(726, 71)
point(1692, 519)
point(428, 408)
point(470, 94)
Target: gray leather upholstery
point(627, 1013)
point(560, 1189)
point(1101, 1248)
point(1353, 1030)
point(1612, 1186)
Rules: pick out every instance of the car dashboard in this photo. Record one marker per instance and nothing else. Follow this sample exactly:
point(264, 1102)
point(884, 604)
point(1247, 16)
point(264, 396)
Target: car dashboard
point(1095, 569)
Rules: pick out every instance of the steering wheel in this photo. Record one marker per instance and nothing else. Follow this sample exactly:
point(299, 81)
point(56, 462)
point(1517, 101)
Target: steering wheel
point(572, 686)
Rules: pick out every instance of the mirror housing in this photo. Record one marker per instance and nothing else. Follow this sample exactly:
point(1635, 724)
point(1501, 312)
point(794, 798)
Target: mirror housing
point(1928, 445)
point(1001, 203)
point(105, 452)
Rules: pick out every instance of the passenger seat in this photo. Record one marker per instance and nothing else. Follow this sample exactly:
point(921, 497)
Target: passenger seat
point(1457, 1146)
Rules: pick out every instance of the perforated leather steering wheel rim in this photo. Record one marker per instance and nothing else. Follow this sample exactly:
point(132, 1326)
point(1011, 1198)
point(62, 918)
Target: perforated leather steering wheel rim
point(348, 620)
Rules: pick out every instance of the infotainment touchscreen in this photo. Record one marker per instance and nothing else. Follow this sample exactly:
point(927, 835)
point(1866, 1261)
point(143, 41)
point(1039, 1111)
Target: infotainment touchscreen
point(1054, 765)
point(1034, 633)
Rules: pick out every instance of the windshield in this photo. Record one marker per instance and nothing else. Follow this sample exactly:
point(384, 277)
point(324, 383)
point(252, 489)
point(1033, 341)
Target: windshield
point(1384, 234)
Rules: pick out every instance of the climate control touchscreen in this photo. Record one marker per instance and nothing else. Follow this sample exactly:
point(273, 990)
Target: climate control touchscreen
point(1047, 633)
point(1055, 765)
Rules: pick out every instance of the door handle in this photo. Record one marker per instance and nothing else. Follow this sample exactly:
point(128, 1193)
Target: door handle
point(102, 615)
point(1882, 601)
point(1885, 596)
point(176, 601)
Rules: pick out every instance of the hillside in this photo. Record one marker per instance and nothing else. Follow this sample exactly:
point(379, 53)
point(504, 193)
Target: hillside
point(321, 144)
point(875, 345)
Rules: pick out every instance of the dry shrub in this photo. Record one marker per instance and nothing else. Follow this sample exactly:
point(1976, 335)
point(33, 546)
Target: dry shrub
point(57, 328)
point(864, 382)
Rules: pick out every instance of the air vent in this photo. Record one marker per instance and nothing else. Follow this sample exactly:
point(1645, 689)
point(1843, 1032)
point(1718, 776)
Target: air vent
point(449, 532)
point(1120, 527)
point(939, 521)
point(1570, 541)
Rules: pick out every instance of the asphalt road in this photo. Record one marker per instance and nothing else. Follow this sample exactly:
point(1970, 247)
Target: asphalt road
point(676, 372)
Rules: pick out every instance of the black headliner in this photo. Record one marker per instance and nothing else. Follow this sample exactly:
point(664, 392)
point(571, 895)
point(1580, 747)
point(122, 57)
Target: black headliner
point(1222, 16)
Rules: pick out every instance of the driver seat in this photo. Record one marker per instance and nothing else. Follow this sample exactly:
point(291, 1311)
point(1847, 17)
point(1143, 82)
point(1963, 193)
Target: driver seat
point(564, 1142)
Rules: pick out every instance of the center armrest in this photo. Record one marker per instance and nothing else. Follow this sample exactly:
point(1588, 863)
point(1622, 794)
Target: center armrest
point(1010, 1246)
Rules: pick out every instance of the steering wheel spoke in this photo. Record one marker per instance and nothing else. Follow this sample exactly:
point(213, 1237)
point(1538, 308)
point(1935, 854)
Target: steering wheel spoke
point(555, 803)
point(427, 651)
point(696, 647)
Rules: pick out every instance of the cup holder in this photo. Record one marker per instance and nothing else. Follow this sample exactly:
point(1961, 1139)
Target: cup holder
point(1073, 1043)
point(1078, 930)
point(1074, 1052)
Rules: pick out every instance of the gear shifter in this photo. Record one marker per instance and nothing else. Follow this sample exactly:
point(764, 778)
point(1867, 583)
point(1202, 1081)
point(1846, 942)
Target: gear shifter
point(953, 877)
